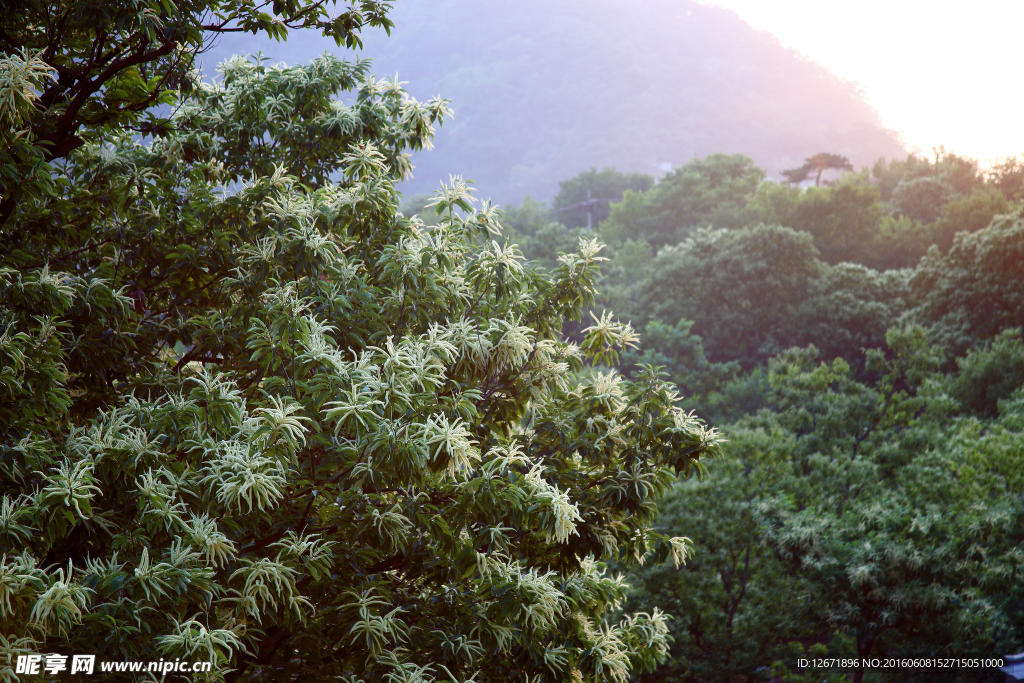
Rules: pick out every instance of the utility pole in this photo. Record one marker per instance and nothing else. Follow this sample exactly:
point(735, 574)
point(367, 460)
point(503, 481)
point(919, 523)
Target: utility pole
point(589, 204)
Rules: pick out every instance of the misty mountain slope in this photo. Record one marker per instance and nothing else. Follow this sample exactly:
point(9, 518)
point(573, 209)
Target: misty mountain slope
point(542, 91)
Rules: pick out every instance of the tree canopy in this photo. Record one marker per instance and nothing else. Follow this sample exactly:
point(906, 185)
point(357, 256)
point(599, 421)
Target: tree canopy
point(253, 414)
point(816, 165)
point(593, 192)
point(703, 193)
point(859, 343)
point(74, 67)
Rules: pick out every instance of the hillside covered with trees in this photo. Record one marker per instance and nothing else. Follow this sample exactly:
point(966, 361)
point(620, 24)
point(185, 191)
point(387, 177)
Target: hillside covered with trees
point(542, 91)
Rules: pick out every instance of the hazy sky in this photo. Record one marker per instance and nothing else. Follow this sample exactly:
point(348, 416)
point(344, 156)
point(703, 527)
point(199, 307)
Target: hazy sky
point(940, 73)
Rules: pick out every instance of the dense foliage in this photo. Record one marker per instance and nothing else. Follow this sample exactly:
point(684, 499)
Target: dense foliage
point(710, 192)
point(585, 199)
point(256, 410)
point(870, 500)
point(853, 519)
point(251, 413)
point(72, 68)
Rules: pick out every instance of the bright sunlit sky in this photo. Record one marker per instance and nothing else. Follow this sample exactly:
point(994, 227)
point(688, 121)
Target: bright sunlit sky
point(939, 72)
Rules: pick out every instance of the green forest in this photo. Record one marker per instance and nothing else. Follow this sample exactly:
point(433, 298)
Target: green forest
point(260, 410)
point(860, 347)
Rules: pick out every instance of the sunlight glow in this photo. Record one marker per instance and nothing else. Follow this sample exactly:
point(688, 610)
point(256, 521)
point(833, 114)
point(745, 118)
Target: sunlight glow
point(941, 74)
